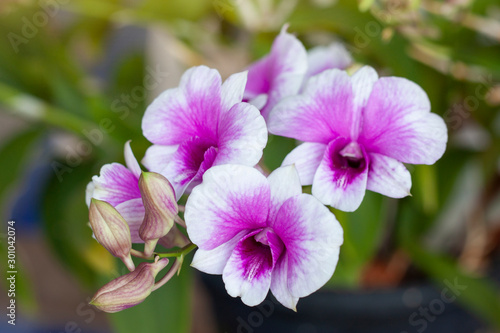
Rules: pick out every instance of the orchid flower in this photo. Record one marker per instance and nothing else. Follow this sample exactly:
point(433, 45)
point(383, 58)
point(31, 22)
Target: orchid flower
point(118, 185)
point(200, 124)
point(287, 67)
point(358, 132)
point(262, 233)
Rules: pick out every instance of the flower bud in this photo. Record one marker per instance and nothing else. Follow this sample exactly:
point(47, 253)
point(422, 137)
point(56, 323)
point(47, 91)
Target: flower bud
point(111, 230)
point(161, 208)
point(130, 289)
point(174, 238)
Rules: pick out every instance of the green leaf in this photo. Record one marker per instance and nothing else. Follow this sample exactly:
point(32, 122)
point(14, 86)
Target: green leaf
point(276, 150)
point(13, 155)
point(167, 309)
point(66, 220)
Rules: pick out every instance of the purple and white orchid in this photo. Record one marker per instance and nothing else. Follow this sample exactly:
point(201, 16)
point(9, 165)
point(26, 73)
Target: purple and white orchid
point(358, 132)
point(118, 185)
point(284, 71)
point(262, 233)
point(200, 124)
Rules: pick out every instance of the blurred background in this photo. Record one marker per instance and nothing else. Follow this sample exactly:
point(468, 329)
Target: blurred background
point(76, 77)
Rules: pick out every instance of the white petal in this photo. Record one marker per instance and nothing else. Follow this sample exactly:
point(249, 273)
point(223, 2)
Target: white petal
point(306, 158)
point(213, 261)
point(248, 271)
point(230, 199)
point(312, 238)
point(242, 136)
point(232, 90)
point(322, 58)
point(284, 183)
point(323, 112)
point(158, 156)
point(388, 177)
point(397, 123)
point(131, 161)
point(190, 110)
point(362, 85)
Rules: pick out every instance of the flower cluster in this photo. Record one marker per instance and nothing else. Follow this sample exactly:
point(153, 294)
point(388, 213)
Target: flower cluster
point(259, 232)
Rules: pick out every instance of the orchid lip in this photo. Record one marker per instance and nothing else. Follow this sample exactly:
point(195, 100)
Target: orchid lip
point(353, 155)
point(261, 237)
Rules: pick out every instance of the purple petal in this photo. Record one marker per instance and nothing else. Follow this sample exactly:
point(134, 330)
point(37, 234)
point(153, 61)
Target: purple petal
point(312, 238)
point(232, 90)
point(116, 184)
point(158, 156)
point(323, 112)
point(336, 182)
point(280, 74)
point(189, 162)
point(284, 183)
point(213, 261)
point(259, 81)
point(190, 110)
point(242, 136)
point(362, 85)
point(131, 161)
point(388, 177)
point(249, 269)
point(133, 212)
point(322, 58)
point(306, 158)
point(397, 123)
point(231, 198)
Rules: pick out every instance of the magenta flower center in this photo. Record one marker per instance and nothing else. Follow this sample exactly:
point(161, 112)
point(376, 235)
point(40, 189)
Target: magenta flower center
point(202, 155)
point(351, 156)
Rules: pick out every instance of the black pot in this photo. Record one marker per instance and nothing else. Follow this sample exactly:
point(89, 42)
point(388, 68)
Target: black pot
point(417, 309)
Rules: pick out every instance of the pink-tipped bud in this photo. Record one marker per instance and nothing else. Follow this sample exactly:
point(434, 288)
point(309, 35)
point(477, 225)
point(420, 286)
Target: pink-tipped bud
point(161, 208)
point(130, 289)
point(111, 230)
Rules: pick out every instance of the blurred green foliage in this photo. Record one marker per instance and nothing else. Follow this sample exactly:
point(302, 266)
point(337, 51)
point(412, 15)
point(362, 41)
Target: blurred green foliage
point(449, 49)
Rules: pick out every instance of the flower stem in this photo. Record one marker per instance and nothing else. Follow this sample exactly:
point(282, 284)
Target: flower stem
point(178, 253)
point(171, 272)
point(180, 221)
point(140, 254)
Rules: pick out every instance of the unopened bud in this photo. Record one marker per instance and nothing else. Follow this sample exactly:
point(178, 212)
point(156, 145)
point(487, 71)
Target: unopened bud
point(161, 208)
point(111, 230)
point(130, 289)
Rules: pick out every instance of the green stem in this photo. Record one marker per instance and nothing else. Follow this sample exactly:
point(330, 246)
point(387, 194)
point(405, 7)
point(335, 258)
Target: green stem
point(179, 253)
point(32, 108)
